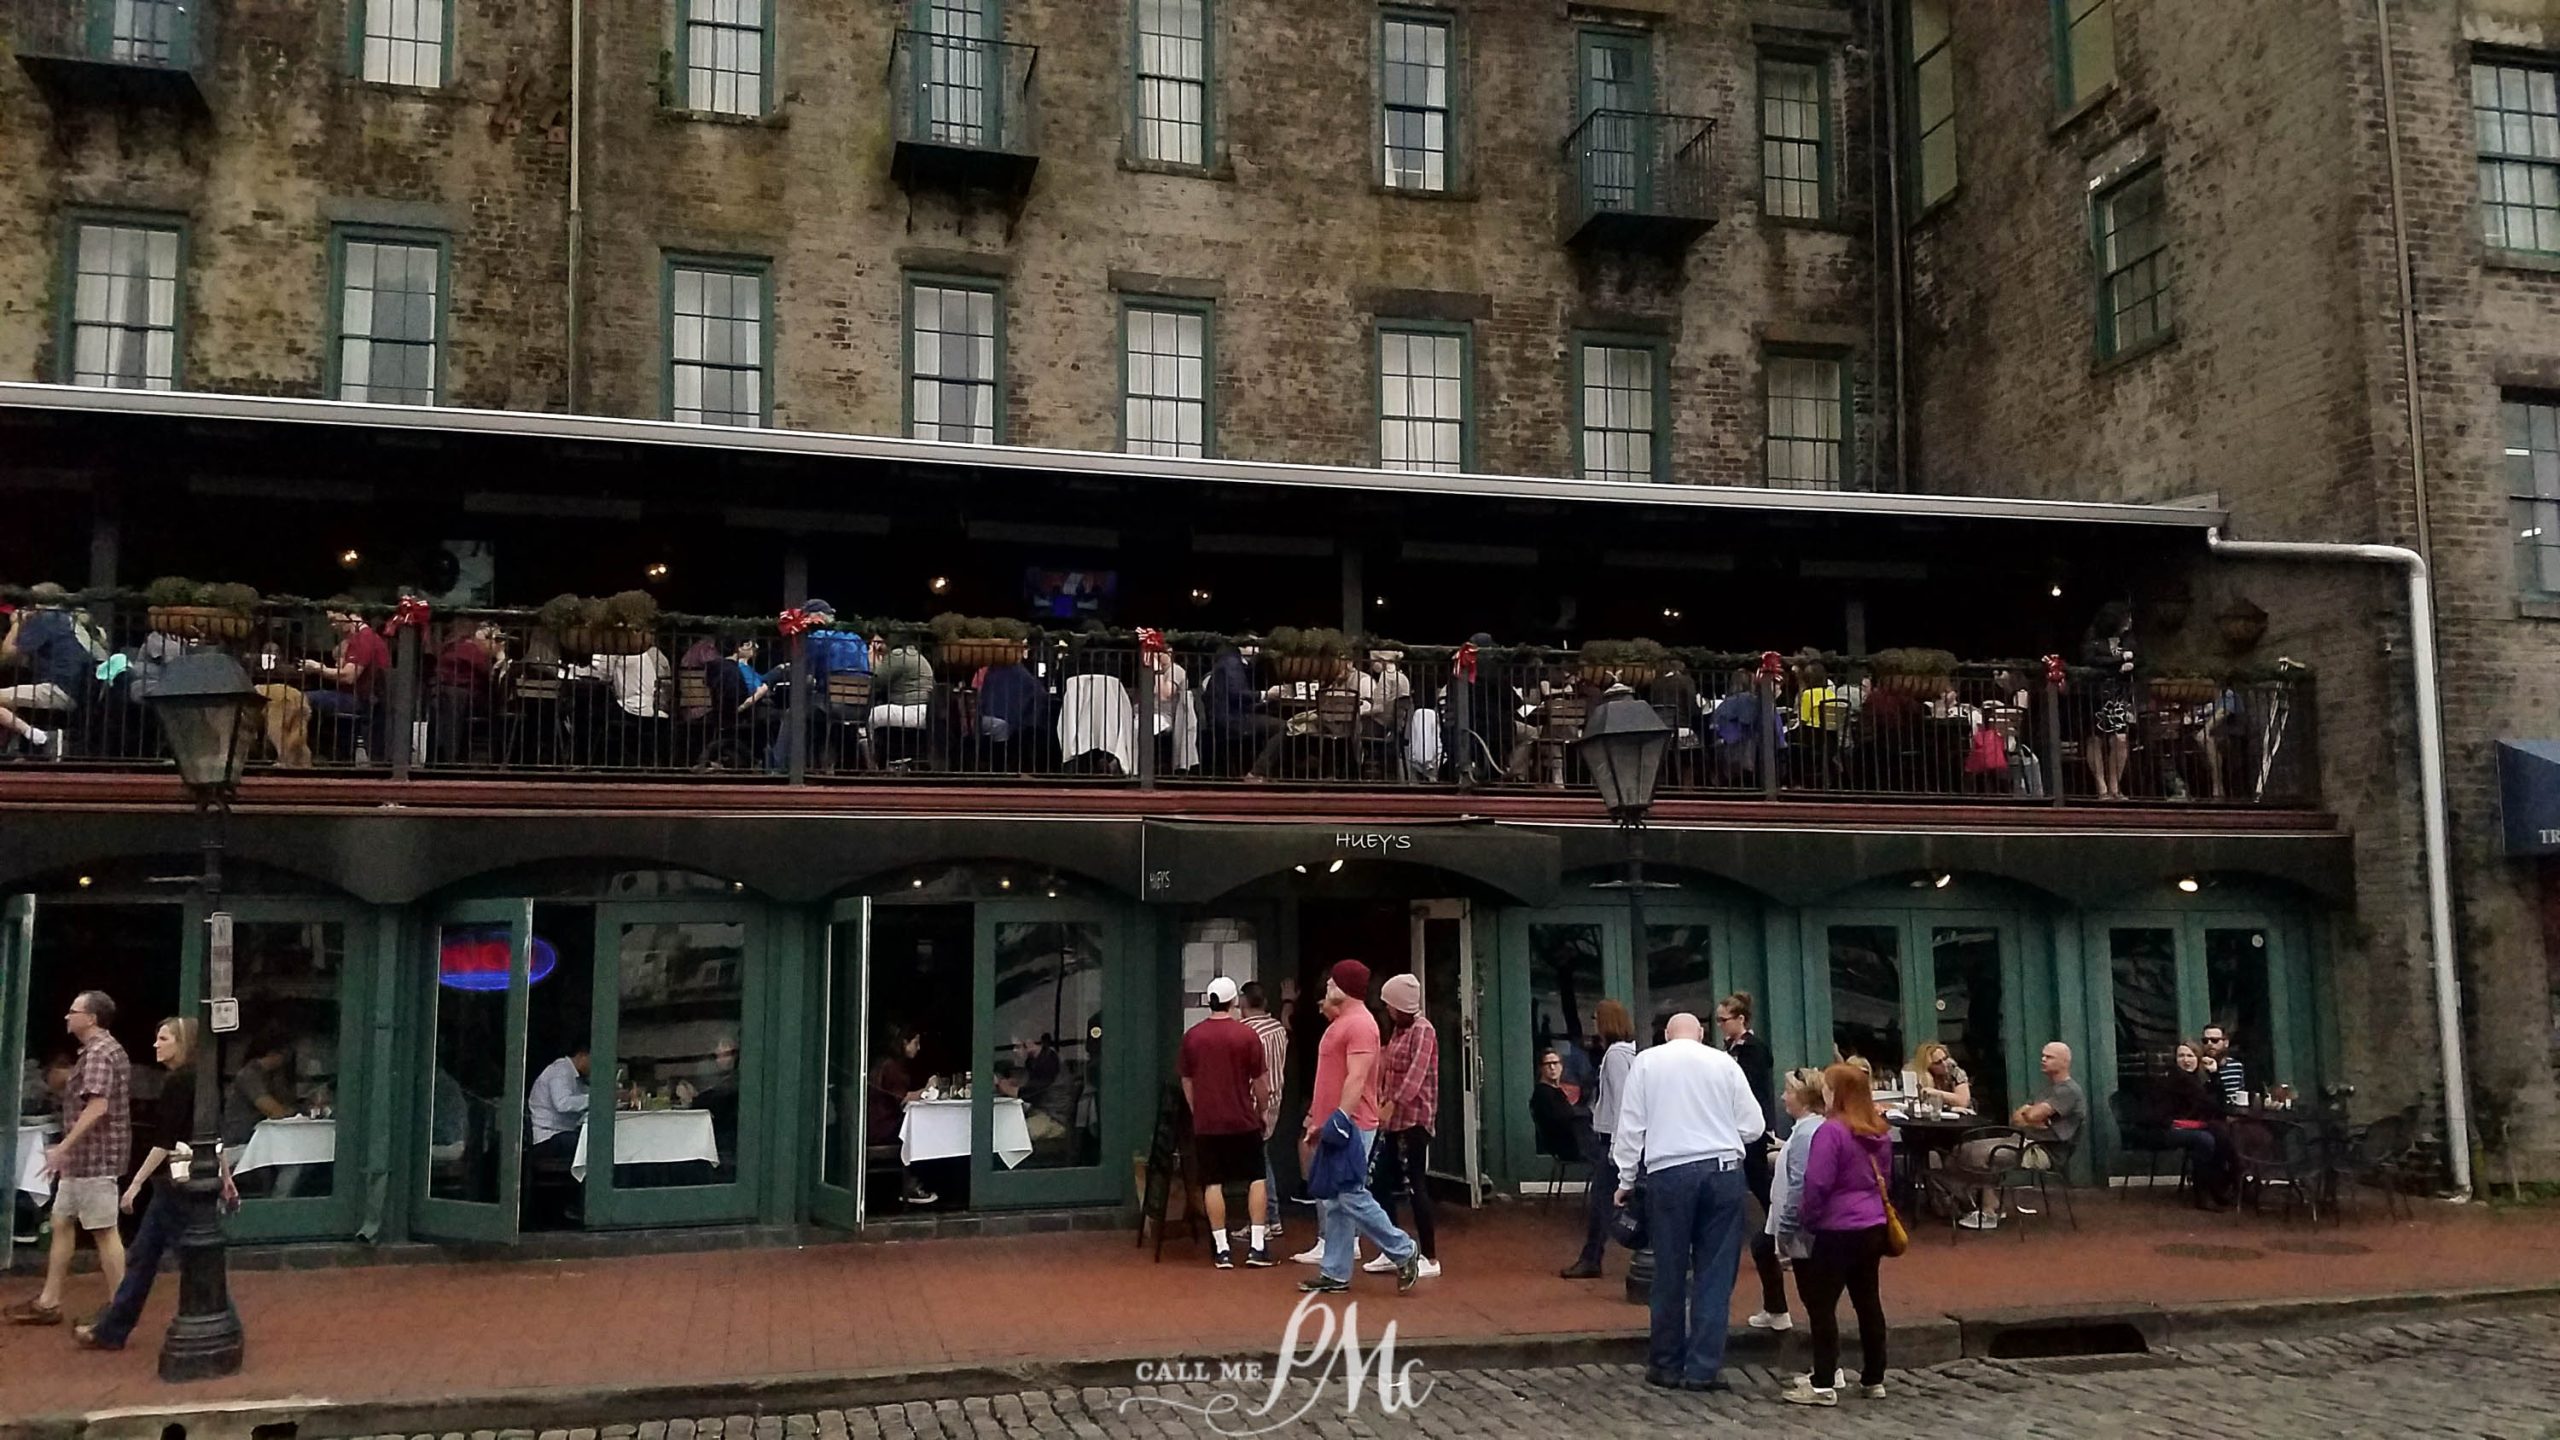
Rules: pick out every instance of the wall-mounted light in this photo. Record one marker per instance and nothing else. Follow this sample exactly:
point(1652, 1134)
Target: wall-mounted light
point(1334, 869)
point(2190, 884)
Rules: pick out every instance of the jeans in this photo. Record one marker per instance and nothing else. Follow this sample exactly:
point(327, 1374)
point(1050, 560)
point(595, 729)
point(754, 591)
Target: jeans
point(2204, 1152)
point(1354, 1213)
point(1695, 1214)
point(1760, 1174)
point(1848, 1260)
point(152, 1239)
point(1409, 1160)
point(1600, 1201)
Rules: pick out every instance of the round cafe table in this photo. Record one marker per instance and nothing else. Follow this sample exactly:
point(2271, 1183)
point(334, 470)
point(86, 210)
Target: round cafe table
point(1915, 1140)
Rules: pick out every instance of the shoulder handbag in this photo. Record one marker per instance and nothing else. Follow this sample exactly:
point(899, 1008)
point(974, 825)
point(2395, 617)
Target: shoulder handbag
point(1896, 1238)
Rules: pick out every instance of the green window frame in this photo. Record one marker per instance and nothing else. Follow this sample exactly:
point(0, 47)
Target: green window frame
point(1174, 67)
point(1168, 377)
point(1805, 409)
point(2084, 50)
point(724, 56)
point(955, 358)
point(2129, 232)
point(718, 323)
point(1418, 100)
point(385, 286)
point(122, 320)
point(1929, 33)
point(2531, 425)
point(1795, 136)
point(2515, 117)
point(407, 43)
point(1426, 413)
point(1621, 408)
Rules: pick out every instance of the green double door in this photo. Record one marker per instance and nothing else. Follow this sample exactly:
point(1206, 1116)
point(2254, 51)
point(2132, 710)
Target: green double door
point(1881, 981)
point(2170, 974)
point(669, 1001)
point(1054, 1051)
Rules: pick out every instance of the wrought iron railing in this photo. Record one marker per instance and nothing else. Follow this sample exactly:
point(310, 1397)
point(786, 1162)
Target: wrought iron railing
point(1638, 164)
point(497, 694)
point(172, 35)
point(964, 93)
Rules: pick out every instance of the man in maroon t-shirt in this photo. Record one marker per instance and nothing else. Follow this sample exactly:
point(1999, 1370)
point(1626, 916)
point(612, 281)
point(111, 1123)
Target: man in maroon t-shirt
point(354, 675)
point(1225, 1080)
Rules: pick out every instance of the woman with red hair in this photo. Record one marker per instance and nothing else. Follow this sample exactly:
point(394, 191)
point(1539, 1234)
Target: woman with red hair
point(1843, 1209)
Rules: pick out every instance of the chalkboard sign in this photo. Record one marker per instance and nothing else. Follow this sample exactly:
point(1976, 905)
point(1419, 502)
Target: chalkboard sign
point(1166, 1157)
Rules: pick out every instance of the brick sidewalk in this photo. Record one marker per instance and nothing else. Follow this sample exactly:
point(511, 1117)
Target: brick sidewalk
point(400, 1333)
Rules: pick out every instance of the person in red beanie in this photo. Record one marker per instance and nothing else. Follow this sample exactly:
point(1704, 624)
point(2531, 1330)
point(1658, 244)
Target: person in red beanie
point(1346, 1071)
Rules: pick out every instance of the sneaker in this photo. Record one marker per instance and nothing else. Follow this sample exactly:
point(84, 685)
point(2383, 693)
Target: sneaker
point(1408, 1272)
point(1226, 1259)
point(1324, 1285)
point(1579, 1271)
point(1314, 1254)
point(1772, 1320)
point(1979, 1220)
point(1379, 1265)
point(1805, 1392)
point(1272, 1230)
point(919, 1196)
point(1257, 1258)
point(1872, 1392)
point(1429, 1269)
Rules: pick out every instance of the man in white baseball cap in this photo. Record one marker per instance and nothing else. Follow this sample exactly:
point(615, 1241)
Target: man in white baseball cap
point(1225, 1080)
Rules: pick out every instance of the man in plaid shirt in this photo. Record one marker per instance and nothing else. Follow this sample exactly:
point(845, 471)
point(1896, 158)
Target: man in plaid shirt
point(1408, 1104)
point(90, 1158)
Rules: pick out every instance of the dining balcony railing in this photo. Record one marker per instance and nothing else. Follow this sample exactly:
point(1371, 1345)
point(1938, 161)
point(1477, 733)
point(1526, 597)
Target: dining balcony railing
point(496, 694)
point(1638, 179)
point(963, 111)
point(152, 51)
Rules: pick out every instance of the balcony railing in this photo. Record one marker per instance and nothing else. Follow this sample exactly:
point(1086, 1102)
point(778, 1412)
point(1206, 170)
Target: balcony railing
point(1083, 710)
point(963, 112)
point(1638, 179)
point(154, 51)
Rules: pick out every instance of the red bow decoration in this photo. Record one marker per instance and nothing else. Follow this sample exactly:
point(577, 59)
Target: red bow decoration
point(2053, 670)
point(1151, 642)
point(1465, 663)
point(1772, 665)
point(796, 621)
point(410, 611)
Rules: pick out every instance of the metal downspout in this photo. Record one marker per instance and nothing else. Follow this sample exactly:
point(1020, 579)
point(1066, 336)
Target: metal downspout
point(577, 190)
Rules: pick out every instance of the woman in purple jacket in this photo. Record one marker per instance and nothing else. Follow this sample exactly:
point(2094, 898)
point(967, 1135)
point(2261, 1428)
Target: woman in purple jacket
point(1843, 1209)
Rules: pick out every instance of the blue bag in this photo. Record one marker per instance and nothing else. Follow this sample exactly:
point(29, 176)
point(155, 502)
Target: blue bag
point(1337, 1168)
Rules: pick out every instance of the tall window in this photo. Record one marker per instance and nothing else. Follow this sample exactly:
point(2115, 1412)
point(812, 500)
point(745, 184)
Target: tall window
point(1165, 403)
point(390, 319)
point(403, 42)
point(124, 305)
point(142, 32)
point(2532, 424)
point(1621, 411)
point(2084, 48)
point(2516, 112)
point(1173, 81)
point(1795, 172)
point(955, 354)
point(1808, 421)
point(724, 54)
point(2133, 262)
point(1422, 399)
point(1933, 91)
point(715, 348)
point(1414, 80)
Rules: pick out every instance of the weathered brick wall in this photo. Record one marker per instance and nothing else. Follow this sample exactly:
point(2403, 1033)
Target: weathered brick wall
point(2283, 392)
point(1294, 235)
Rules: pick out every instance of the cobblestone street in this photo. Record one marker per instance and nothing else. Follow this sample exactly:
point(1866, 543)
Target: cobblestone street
point(2476, 1377)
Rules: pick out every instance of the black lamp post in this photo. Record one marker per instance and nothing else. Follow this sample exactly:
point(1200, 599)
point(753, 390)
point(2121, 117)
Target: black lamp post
point(1622, 746)
point(209, 715)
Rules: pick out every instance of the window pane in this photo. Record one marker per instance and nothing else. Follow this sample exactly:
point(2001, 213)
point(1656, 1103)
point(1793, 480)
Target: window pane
point(124, 306)
point(1565, 991)
point(724, 56)
point(1173, 81)
point(952, 349)
point(1791, 125)
point(280, 1078)
point(1804, 422)
point(1866, 995)
point(1048, 985)
point(716, 347)
point(2092, 41)
point(1414, 82)
point(1165, 368)
point(1617, 413)
point(2532, 434)
point(2146, 998)
point(1421, 400)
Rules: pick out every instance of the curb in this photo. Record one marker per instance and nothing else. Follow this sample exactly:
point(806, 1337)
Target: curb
point(1978, 1335)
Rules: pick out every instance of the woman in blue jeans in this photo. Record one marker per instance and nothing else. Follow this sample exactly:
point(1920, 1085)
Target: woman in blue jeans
point(172, 1121)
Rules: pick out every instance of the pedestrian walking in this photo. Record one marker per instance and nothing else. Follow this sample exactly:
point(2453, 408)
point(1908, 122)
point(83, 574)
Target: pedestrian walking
point(97, 1139)
point(1616, 1031)
point(1683, 1125)
point(1408, 1104)
point(1759, 1070)
point(171, 1123)
point(1843, 1209)
point(1275, 1057)
point(1224, 1082)
point(1346, 1092)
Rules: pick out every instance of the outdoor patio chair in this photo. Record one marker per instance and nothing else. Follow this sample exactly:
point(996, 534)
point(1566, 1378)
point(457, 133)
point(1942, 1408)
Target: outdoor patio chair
point(848, 705)
point(2266, 1158)
point(2379, 1156)
point(1954, 1185)
point(2046, 1180)
point(2142, 1134)
point(1553, 749)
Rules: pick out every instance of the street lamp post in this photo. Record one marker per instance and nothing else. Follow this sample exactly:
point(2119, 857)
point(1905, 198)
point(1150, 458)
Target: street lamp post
point(208, 713)
point(1622, 746)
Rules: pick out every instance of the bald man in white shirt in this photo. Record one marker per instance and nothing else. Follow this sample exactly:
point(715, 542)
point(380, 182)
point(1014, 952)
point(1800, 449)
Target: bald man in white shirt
point(1685, 1119)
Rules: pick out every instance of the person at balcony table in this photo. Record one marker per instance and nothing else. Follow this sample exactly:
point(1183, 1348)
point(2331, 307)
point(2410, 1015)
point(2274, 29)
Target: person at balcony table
point(45, 636)
point(1529, 712)
point(466, 668)
point(556, 1107)
point(1941, 1079)
point(638, 684)
point(896, 1084)
point(902, 697)
point(832, 651)
point(1236, 720)
point(1177, 728)
point(738, 709)
point(352, 676)
point(1814, 693)
point(1734, 727)
point(2108, 649)
point(1011, 705)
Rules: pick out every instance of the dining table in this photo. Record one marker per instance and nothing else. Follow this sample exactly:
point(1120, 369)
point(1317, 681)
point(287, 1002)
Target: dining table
point(290, 1140)
point(1917, 1138)
point(939, 1130)
point(654, 1137)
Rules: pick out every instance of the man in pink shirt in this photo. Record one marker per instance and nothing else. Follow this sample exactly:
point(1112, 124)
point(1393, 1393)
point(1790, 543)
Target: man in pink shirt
point(1346, 1074)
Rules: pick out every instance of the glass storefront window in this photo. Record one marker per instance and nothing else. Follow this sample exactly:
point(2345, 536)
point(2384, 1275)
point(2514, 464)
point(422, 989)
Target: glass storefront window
point(1866, 996)
point(1966, 962)
point(471, 1056)
point(1565, 990)
point(1046, 1045)
point(844, 1053)
point(2236, 980)
point(280, 1071)
point(2145, 960)
point(1679, 973)
point(677, 1054)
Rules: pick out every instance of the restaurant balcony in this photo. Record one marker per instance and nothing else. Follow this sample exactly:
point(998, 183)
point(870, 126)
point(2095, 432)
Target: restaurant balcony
point(1638, 180)
point(661, 703)
point(963, 113)
point(148, 52)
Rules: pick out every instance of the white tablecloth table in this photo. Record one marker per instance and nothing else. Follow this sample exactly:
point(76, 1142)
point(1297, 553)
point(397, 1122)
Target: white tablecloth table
point(654, 1137)
point(939, 1130)
point(30, 1170)
point(294, 1140)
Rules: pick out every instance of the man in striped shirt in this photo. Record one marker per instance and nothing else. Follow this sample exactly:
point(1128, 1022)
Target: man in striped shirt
point(1408, 1105)
point(2229, 1075)
point(1275, 1056)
